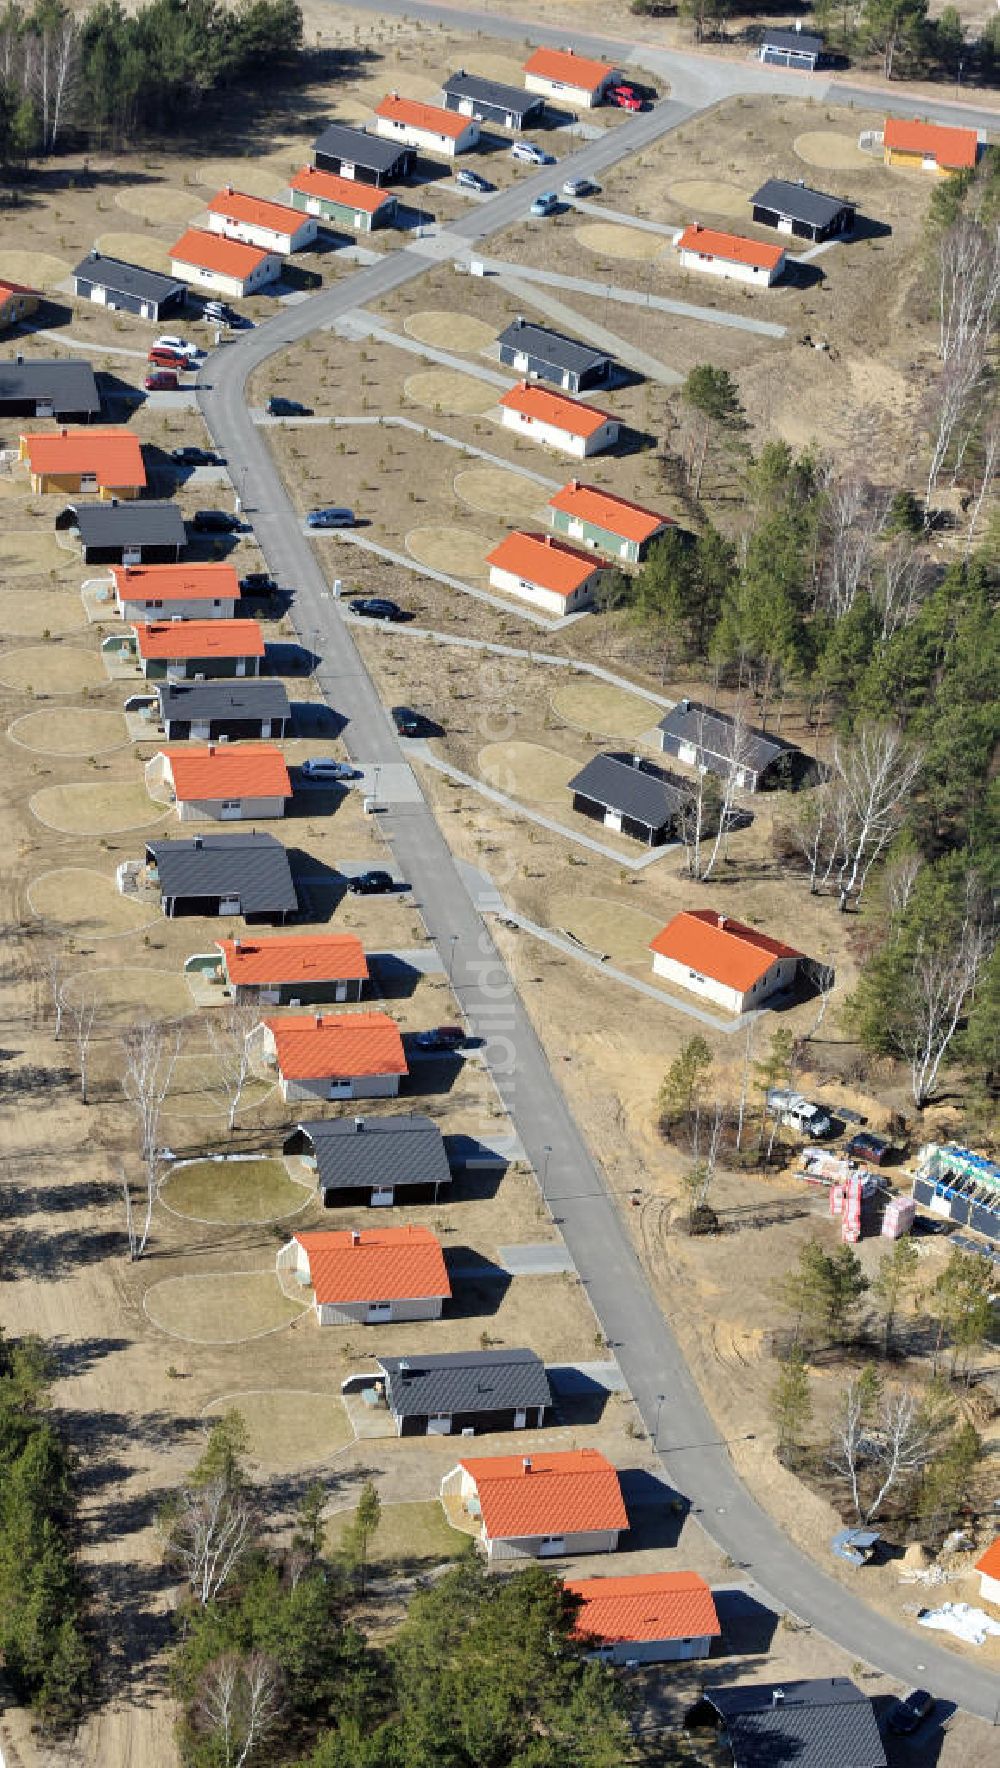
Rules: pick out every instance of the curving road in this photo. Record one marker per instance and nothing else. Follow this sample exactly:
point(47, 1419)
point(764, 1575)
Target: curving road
point(695, 1460)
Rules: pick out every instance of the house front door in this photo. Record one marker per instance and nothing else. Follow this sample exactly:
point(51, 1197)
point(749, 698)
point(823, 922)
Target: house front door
point(202, 731)
point(231, 810)
point(552, 1547)
point(241, 666)
point(439, 1424)
point(378, 1312)
point(383, 1197)
point(613, 820)
point(131, 555)
point(340, 993)
point(229, 905)
point(340, 1089)
point(520, 1419)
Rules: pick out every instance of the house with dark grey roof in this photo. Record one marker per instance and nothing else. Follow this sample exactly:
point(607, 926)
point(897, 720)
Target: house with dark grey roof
point(630, 797)
point(543, 355)
point(373, 1160)
point(129, 288)
point(461, 1393)
point(820, 1724)
point(793, 48)
point(705, 738)
point(793, 207)
point(353, 153)
point(131, 533)
point(507, 107)
point(246, 875)
point(65, 390)
point(217, 711)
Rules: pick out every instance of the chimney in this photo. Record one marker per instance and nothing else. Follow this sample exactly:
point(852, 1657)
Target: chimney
point(198, 844)
point(685, 705)
point(777, 1696)
point(575, 484)
point(211, 748)
point(355, 1237)
point(722, 921)
point(526, 1464)
point(636, 761)
point(319, 1021)
point(237, 945)
point(359, 1124)
point(19, 359)
point(229, 190)
point(519, 320)
point(64, 432)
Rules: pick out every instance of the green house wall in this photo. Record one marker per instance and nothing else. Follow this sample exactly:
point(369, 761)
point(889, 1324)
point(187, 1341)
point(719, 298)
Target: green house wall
point(594, 536)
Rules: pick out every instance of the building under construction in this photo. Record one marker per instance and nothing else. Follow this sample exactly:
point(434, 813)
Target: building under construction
point(960, 1186)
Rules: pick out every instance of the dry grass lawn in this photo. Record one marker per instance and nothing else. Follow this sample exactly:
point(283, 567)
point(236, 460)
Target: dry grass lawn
point(406, 1533)
point(85, 904)
point(37, 269)
point(288, 1429)
point(606, 926)
point(231, 1191)
point(713, 195)
point(24, 552)
point(246, 175)
point(833, 152)
point(527, 770)
point(612, 240)
point(137, 248)
point(220, 1307)
point(69, 730)
point(100, 808)
point(459, 551)
point(157, 203)
point(444, 389)
point(40, 612)
point(126, 994)
point(498, 491)
point(445, 329)
point(602, 709)
point(50, 670)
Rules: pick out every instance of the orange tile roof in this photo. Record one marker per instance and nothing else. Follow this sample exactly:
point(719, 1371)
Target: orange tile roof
point(954, 148)
point(540, 559)
point(989, 1563)
point(312, 182)
point(731, 246)
point(568, 69)
point(311, 1046)
point(375, 1264)
point(430, 117)
point(719, 947)
point(645, 1606)
point(182, 583)
point(629, 520)
point(238, 206)
point(213, 251)
point(556, 409)
point(15, 288)
point(200, 638)
point(113, 456)
point(231, 770)
point(561, 1492)
point(295, 957)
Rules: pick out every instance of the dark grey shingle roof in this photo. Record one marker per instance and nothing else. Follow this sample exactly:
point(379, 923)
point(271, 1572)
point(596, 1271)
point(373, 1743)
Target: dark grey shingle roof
point(70, 385)
point(511, 98)
point(223, 699)
point(132, 523)
point(639, 792)
point(799, 201)
point(127, 279)
point(822, 1724)
point(387, 1151)
point(801, 40)
point(253, 867)
point(710, 730)
point(344, 143)
point(551, 346)
point(465, 1381)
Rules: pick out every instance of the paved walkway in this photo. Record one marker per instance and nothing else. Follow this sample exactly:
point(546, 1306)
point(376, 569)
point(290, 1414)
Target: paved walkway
point(90, 345)
point(406, 563)
point(364, 325)
point(640, 361)
point(392, 421)
point(606, 291)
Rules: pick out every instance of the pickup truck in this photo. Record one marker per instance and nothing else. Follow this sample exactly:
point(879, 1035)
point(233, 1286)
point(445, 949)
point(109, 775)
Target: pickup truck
point(798, 1114)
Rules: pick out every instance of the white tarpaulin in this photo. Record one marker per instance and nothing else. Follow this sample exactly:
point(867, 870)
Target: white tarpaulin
point(967, 1623)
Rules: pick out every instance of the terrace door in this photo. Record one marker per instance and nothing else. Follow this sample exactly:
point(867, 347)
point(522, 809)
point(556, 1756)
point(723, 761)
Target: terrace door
point(439, 1424)
point(383, 1197)
point(378, 1312)
point(552, 1547)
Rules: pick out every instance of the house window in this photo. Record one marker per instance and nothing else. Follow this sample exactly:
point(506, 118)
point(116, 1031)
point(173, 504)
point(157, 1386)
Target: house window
point(695, 976)
point(156, 604)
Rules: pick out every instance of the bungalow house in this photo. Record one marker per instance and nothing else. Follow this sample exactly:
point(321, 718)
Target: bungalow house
point(461, 1393)
point(558, 422)
point(539, 1506)
point(65, 390)
point(179, 649)
point(605, 522)
point(988, 1567)
point(272, 227)
point(375, 1161)
point(334, 1055)
point(648, 1618)
point(929, 147)
point(489, 101)
point(796, 48)
point(128, 288)
point(545, 572)
point(804, 213)
point(223, 266)
point(210, 874)
point(343, 202)
point(231, 783)
point(730, 255)
point(821, 1724)
point(17, 302)
point(571, 78)
point(175, 592)
point(544, 355)
point(370, 1276)
point(290, 970)
point(367, 158)
point(426, 127)
point(711, 955)
point(630, 797)
point(127, 533)
point(712, 741)
point(220, 711)
point(108, 462)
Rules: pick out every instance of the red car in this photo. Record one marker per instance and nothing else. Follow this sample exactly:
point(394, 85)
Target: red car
point(164, 358)
point(625, 98)
point(161, 380)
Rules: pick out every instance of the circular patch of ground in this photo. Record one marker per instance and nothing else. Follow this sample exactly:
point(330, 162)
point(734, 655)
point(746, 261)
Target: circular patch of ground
point(196, 1088)
point(445, 389)
point(28, 553)
point(59, 670)
point(499, 493)
point(224, 1192)
point(137, 248)
point(620, 932)
point(527, 770)
point(500, 67)
point(158, 203)
point(87, 904)
point(220, 1307)
point(446, 330)
point(254, 177)
point(459, 551)
point(715, 197)
point(835, 153)
point(130, 993)
point(614, 241)
point(41, 611)
point(288, 1428)
point(40, 270)
point(602, 709)
point(69, 730)
point(96, 807)
point(409, 1535)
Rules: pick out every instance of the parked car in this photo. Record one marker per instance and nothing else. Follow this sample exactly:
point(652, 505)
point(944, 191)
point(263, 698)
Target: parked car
point(180, 345)
point(795, 1111)
point(443, 1037)
point(625, 98)
point(866, 1145)
point(467, 180)
point(220, 311)
point(371, 884)
point(330, 518)
point(408, 723)
point(161, 380)
point(534, 156)
point(257, 583)
point(579, 187)
point(195, 457)
point(910, 1712)
point(161, 357)
point(278, 407)
point(545, 204)
point(215, 522)
point(376, 607)
point(323, 767)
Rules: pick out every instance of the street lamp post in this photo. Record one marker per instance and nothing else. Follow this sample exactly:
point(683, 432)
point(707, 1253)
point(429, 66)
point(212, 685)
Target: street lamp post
point(453, 941)
point(546, 1152)
point(656, 1427)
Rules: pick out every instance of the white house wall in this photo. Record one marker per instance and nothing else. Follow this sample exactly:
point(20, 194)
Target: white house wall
point(355, 1313)
point(573, 95)
point(210, 810)
point(234, 286)
point(366, 1086)
point(989, 1588)
point(530, 1547)
point(428, 140)
point(563, 440)
point(654, 1651)
point(731, 271)
point(548, 600)
point(145, 614)
point(780, 975)
point(267, 239)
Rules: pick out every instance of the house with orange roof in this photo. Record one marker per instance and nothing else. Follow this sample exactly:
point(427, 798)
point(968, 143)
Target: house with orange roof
point(988, 1567)
point(714, 253)
point(176, 650)
point(223, 783)
point(712, 955)
point(929, 147)
point(608, 523)
point(175, 592)
point(333, 1055)
point(369, 1276)
point(343, 202)
point(106, 463)
point(427, 127)
point(208, 260)
point(573, 79)
point(539, 1506)
point(289, 970)
point(17, 302)
point(546, 572)
point(272, 227)
point(648, 1618)
point(557, 421)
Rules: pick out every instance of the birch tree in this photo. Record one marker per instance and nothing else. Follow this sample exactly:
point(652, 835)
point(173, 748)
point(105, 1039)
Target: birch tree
point(229, 1034)
point(875, 770)
point(900, 582)
point(54, 969)
point(952, 409)
point(149, 1052)
point(209, 1529)
point(944, 978)
point(83, 1017)
point(855, 513)
point(239, 1706)
point(876, 1450)
point(737, 746)
point(968, 285)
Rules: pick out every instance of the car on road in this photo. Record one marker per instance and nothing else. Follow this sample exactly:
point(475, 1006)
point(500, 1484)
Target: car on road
point(625, 97)
point(546, 204)
point(376, 607)
point(408, 723)
point(532, 155)
point(215, 522)
point(467, 180)
point(443, 1037)
point(323, 767)
point(910, 1712)
point(371, 884)
point(866, 1145)
point(579, 187)
point(189, 456)
point(161, 380)
point(180, 346)
point(334, 516)
point(278, 407)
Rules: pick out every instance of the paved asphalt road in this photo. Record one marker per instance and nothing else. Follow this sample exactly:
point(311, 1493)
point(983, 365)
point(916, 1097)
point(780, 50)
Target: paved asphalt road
point(696, 1462)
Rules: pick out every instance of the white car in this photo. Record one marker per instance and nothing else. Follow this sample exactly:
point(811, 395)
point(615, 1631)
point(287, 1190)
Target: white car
point(323, 767)
point(180, 346)
point(535, 156)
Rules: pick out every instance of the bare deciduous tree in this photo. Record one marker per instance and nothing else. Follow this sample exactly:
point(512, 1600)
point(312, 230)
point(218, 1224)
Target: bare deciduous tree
point(874, 773)
point(240, 1704)
point(899, 583)
point(229, 1035)
point(942, 982)
point(54, 968)
point(83, 1017)
point(875, 1449)
point(989, 461)
point(968, 285)
point(952, 409)
point(854, 516)
point(209, 1530)
point(149, 1051)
